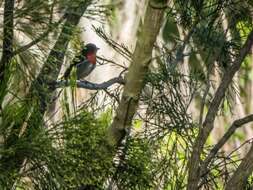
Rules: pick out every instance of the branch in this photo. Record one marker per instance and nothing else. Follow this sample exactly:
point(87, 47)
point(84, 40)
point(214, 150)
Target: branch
point(91, 86)
point(236, 124)
point(194, 162)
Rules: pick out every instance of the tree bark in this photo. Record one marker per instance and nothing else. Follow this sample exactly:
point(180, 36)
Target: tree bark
point(194, 162)
point(134, 79)
point(7, 45)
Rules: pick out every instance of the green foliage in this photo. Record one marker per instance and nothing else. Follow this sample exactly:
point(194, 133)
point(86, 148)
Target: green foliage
point(63, 157)
point(137, 123)
point(83, 137)
point(173, 107)
point(106, 117)
point(135, 170)
point(69, 154)
point(170, 31)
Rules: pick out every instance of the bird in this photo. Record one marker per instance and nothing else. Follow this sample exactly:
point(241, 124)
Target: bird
point(85, 62)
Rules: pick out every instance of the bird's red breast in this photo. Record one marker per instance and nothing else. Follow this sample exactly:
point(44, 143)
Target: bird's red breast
point(91, 57)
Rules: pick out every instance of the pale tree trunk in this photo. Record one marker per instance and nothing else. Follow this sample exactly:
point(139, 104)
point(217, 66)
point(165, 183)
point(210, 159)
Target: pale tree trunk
point(134, 79)
point(185, 70)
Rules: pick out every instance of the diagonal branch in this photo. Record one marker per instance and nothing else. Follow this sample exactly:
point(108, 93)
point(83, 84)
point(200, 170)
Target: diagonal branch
point(194, 162)
point(235, 125)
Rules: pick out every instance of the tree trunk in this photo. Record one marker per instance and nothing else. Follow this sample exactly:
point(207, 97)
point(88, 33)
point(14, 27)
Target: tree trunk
point(7, 46)
point(134, 79)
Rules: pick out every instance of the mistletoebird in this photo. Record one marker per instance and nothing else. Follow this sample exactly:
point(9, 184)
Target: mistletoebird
point(85, 63)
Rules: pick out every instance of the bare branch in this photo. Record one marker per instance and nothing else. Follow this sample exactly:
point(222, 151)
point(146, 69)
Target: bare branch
point(236, 124)
point(91, 86)
point(226, 80)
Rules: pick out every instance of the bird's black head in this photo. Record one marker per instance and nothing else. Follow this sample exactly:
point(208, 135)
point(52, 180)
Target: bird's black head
point(89, 48)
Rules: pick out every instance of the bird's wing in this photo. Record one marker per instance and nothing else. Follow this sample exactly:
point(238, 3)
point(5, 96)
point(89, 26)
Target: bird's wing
point(77, 60)
point(84, 69)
